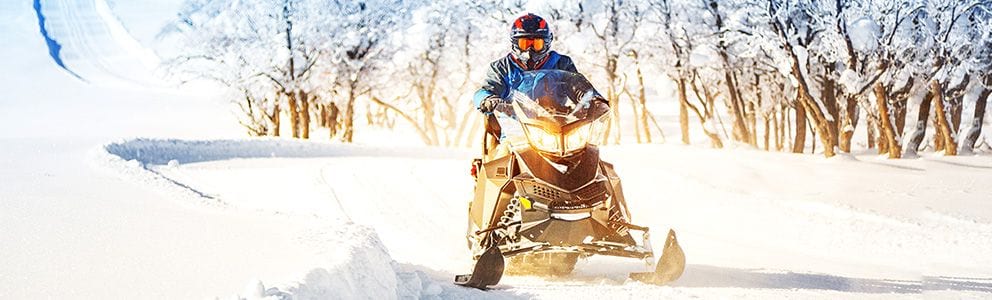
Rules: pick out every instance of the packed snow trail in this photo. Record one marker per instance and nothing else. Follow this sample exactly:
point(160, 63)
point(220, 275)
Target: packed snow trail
point(70, 230)
point(747, 233)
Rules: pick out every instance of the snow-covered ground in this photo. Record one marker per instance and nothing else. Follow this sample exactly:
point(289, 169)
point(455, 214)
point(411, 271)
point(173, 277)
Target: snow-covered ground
point(180, 218)
point(113, 191)
point(753, 224)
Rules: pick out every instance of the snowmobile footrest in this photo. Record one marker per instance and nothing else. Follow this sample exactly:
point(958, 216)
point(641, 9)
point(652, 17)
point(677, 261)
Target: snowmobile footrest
point(488, 270)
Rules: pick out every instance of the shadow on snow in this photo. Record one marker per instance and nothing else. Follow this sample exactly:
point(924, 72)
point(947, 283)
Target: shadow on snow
point(162, 151)
point(712, 276)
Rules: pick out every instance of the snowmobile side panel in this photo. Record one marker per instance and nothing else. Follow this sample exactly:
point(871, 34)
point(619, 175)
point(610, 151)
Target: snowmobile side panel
point(492, 181)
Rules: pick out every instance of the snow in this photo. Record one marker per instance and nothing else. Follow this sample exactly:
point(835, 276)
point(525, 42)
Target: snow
point(41, 100)
point(864, 34)
point(73, 232)
point(118, 191)
point(825, 243)
point(102, 52)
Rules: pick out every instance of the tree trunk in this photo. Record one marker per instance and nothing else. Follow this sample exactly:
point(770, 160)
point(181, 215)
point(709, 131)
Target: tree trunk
point(642, 118)
point(427, 112)
point(779, 118)
point(821, 118)
point(829, 93)
point(637, 119)
point(752, 116)
point(274, 118)
point(683, 111)
point(305, 114)
point(332, 120)
point(938, 136)
point(294, 114)
point(920, 131)
point(871, 132)
point(768, 130)
point(644, 109)
point(950, 148)
point(880, 141)
point(740, 128)
point(740, 131)
point(322, 115)
point(349, 116)
point(476, 129)
point(704, 118)
point(787, 120)
point(899, 113)
point(714, 139)
point(424, 135)
point(888, 132)
point(612, 98)
point(849, 124)
point(976, 123)
point(462, 126)
point(820, 121)
point(799, 144)
point(711, 132)
point(813, 140)
point(956, 109)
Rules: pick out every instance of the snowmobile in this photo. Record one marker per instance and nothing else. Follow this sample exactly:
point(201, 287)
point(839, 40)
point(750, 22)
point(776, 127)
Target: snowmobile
point(543, 198)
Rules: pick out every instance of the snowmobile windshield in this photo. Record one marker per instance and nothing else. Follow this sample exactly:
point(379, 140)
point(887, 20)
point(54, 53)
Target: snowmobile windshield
point(554, 111)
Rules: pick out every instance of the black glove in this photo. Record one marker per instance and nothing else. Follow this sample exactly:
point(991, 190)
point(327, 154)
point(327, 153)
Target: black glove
point(598, 107)
point(489, 104)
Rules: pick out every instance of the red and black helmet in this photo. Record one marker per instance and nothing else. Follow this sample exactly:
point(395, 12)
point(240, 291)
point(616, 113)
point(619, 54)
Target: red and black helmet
point(532, 26)
point(531, 38)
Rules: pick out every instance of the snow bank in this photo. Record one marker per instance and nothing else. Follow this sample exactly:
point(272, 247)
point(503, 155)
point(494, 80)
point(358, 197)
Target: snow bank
point(358, 267)
point(161, 151)
point(353, 262)
point(129, 165)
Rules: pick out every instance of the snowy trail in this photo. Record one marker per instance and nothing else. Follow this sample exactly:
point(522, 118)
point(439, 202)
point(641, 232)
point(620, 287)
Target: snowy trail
point(747, 234)
point(66, 226)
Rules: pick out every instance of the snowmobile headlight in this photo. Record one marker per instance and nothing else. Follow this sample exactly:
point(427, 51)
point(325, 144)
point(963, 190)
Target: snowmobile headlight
point(542, 140)
point(578, 138)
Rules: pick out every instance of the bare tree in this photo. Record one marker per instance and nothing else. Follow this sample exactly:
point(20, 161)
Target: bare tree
point(615, 25)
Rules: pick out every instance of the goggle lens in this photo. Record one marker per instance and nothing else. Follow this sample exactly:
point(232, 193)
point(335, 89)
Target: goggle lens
point(526, 43)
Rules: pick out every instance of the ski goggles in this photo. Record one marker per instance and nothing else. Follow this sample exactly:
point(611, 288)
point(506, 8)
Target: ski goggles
point(526, 43)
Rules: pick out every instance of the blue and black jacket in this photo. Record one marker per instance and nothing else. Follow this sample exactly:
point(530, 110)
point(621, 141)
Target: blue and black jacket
point(508, 69)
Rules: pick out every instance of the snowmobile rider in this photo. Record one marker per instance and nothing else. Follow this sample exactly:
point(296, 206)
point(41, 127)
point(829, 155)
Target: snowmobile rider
point(530, 50)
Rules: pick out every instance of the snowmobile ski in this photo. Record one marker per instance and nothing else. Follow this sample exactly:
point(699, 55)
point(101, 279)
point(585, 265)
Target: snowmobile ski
point(670, 265)
point(488, 270)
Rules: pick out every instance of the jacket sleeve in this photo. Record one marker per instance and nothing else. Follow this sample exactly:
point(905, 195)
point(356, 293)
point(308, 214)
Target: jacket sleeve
point(565, 63)
point(492, 84)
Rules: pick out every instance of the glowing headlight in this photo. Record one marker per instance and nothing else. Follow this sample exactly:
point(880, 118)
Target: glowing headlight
point(578, 138)
point(542, 140)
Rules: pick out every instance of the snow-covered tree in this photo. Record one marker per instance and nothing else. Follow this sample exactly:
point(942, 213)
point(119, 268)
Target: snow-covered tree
point(751, 71)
